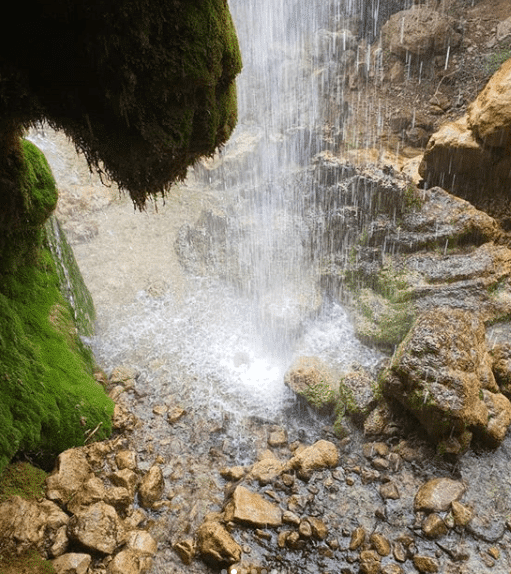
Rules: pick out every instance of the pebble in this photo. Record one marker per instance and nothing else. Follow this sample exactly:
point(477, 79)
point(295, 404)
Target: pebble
point(425, 563)
point(357, 538)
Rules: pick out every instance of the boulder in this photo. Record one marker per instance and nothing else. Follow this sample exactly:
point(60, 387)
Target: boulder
point(152, 487)
point(471, 156)
point(311, 380)
point(438, 494)
point(126, 562)
point(216, 545)
point(97, 527)
point(420, 32)
point(251, 508)
point(71, 471)
point(440, 373)
point(72, 563)
point(90, 492)
point(267, 469)
point(25, 524)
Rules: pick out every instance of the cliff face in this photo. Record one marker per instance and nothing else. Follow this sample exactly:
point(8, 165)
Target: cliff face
point(49, 399)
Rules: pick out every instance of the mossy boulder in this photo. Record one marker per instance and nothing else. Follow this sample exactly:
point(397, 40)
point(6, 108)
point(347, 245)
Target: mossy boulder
point(143, 89)
point(49, 399)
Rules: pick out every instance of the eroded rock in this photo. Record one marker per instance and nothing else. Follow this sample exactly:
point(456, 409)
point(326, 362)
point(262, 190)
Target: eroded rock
point(71, 471)
point(216, 544)
point(251, 508)
point(97, 527)
point(152, 487)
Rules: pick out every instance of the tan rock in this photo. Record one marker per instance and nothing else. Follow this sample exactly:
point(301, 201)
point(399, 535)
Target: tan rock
point(233, 473)
point(152, 487)
point(358, 537)
point(60, 543)
point(499, 416)
point(118, 497)
point(91, 491)
point(438, 494)
point(461, 514)
point(97, 527)
point(71, 471)
point(186, 550)
point(26, 524)
point(433, 526)
point(126, 562)
point(126, 459)
point(319, 528)
point(125, 478)
point(216, 544)
point(322, 454)
point(267, 470)
point(141, 542)
point(425, 564)
point(489, 116)
point(370, 562)
point(175, 413)
point(252, 508)
point(72, 563)
point(312, 380)
point(277, 437)
point(380, 544)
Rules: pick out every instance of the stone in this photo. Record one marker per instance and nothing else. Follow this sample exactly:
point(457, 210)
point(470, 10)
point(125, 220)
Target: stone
point(419, 32)
point(380, 544)
point(233, 473)
point(185, 550)
point(151, 487)
point(392, 569)
point(251, 508)
point(461, 514)
point(216, 544)
point(440, 372)
point(71, 471)
point(125, 478)
point(501, 356)
point(118, 497)
point(124, 376)
point(319, 528)
point(90, 492)
point(25, 524)
point(277, 438)
point(370, 562)
point(175, 414)
point(122, 419)
point(141, 542)
point(433, 526)
point(305, 528)
point(322, 454)
point(267, 470)
point(60, 543)
point(425, 563)
point(98, 527)
point(390, 491)
point(126, 459)
point(290, 517)
point(72, 563)
point(438, 494)
point(312, 381)
point(358, 537)
point(358, 388)
point(125, 562)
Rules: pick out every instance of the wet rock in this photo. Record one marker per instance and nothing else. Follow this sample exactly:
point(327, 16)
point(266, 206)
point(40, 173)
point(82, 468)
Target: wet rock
point(97, 527)
point(438, 494)
point(357, 392)
point(378, 421)
point(126, 459)
point(370, 562)
point(499, 417)
point(420, 32)
point(118, 497)
point(311, 380)
point(290, 517)
point(358, 537)
point(267, 470)
point(322, 454)
point(461, 514)
point(425, 563)
point(380, 544)
point(60, 543)
point(71, 471)
point(392, 569)
point(72, 563)
point(319, 528)
point(151, 487)
point(25, 524)
point(234, 473)
point(251, 508)
point(439, 373)
point(278, 438)
point(175, 414)
point(124, 376)
point(433, 526)
point(141, 542)
point(186, 550)
point(216, 544)
point(305, 529)
point(389, 490)
point(122, 419)
point(486, 527)
point(501, 355)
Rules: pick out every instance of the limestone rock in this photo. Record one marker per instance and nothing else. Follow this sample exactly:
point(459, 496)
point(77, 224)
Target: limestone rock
point(433, 526)
point(72, 563)
point(322, 454)
point(251, 508)
point(440, 373)
point(425, 564)
point(358, 388)
point(126, 562)
point(267, 469)
point(90, 492)
point(489, 116)
point(126, 459)
point(125, 478)
point(311, 380)
point(216, 544)
point(97, 527)
point(141, 542)
point(501, 355)
point(462, 515)
point(420, 32)
point(438, 494)
point(26, 524)
point(186, 550)
point(71, 471)
point(152, 487)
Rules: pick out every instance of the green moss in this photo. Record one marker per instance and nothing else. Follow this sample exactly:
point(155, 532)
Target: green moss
point(49, 398)
point(22, 479)
point(29, 562)
point(320, 396)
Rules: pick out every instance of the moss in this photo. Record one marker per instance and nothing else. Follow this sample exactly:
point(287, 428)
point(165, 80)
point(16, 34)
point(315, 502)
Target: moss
point(22, 479)
point(159, 76)
point(49, 398)
point(320, 396)
point(29, 562)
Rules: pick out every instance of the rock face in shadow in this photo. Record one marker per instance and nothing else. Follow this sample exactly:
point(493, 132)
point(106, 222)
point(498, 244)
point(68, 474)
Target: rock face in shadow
point(442, 374)
point(471, 157)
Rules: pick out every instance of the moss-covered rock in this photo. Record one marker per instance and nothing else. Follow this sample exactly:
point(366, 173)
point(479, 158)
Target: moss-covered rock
point(49, 399)
point(143, 88)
